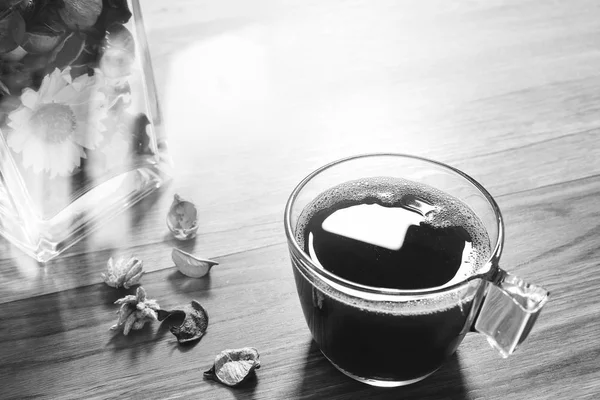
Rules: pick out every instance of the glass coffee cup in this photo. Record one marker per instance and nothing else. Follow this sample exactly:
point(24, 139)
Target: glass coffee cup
point(396, 259)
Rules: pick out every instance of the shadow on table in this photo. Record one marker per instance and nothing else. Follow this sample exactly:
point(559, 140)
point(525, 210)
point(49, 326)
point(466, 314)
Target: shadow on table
point(244, 391)
point(141, 209)
point(182, 284)
point(321, 380)
point(137, 344)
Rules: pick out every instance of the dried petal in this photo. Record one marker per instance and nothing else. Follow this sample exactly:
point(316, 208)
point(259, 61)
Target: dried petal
point(130, 298)
point(129, 322)
point(134, 267)
point(67, 51)
point(182, 219)
point(151, 303)
point(148, 313)
point(80, 14)
point(14, 55)
point(233, 366)
point(139, 324)
point(190, 265)
point(194, 324)
point(40, 42)
point(124, 313)
point(140, 294)
point(134, 280)
point(12, 30)
point(123, 272)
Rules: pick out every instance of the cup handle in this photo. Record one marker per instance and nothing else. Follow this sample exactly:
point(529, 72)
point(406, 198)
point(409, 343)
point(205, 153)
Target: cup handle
point(508, 311)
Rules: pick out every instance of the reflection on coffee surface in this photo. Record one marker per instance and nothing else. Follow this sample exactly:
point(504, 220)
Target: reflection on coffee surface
point(392, 233)
point(388, 233)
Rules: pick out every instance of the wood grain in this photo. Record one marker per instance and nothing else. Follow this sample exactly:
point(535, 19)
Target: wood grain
point(42, 337)
point(258, 94)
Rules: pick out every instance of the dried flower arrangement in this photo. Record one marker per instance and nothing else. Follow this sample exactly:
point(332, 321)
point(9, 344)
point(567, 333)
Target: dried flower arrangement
point(78, 110)
point(65, 71)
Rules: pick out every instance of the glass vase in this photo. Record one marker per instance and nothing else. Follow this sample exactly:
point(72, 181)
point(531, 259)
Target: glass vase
point(80, 124)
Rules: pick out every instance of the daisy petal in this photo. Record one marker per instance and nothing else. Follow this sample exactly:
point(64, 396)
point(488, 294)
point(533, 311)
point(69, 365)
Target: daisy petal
point(52, 84)
point(17, 140)
point(66, 95)
point(29, 98)
point(66, 74)
point(88, 132)
point(34, 155)
point(89, 138)
point(83, 81)
point(64, 158)
point(19, 118)
point(116, 151)
point(81, 111)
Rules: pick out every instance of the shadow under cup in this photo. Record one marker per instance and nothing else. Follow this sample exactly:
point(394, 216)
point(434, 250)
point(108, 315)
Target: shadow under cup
point(390, 337)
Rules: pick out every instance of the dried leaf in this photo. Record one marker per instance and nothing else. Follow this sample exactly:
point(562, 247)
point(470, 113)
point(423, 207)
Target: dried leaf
point(233, 366)
point(191, 266)
point(194, 323)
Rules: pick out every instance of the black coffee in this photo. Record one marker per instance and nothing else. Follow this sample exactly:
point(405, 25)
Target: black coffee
point(388, 233)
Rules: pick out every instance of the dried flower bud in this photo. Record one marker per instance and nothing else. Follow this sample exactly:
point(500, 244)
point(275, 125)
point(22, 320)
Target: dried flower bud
point(195, 322)
point(135, 311)
point(232, 367)
point(191, 266)
point(123, 273)
point(182, 219)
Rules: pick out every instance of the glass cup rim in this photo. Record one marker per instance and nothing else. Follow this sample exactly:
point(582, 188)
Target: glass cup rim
point(329, 276)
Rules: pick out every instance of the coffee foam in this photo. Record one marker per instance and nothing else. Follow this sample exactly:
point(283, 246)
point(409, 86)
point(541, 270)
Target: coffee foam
point(446, 211)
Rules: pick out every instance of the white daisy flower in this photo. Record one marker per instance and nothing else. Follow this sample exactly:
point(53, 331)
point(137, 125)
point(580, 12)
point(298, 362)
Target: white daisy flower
point(53, 126)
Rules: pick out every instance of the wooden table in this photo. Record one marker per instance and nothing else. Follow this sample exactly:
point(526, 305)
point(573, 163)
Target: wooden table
point(258, 94)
